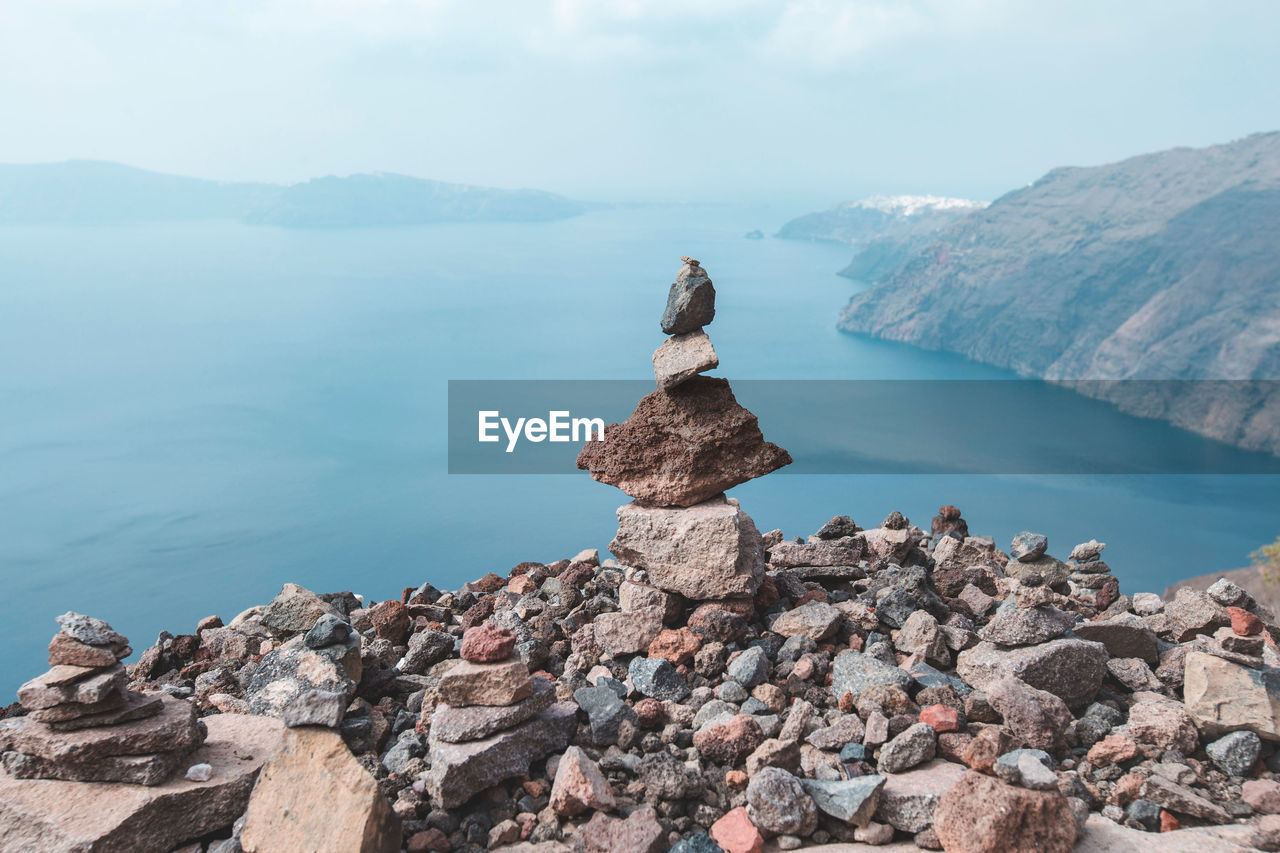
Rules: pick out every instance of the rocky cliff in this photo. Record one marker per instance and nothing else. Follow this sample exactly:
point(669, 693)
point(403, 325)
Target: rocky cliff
point(1159, 267)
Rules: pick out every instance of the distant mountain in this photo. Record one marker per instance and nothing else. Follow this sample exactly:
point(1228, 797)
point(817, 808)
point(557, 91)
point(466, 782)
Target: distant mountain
point(88, 192)
point(1162, 266)
point(860, 222)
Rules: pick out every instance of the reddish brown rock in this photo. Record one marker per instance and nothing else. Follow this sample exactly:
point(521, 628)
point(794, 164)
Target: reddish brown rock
point(65, 650)
point(503, 683)
point(121, 818)
point(487, 643)
point(735, 832)
point(650, 713)
point(677, 646)
point(986, 746)
point(1038, 717)
point(639, 833)
point(1112, 749)
point(683, 446)
point(1243, 622)
point(729, 742)
point(391, 621)
point(943, 718)
point(579, 785)
point(981, 814)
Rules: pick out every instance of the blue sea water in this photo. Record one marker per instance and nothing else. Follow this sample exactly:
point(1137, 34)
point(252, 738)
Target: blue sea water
point(193, 414)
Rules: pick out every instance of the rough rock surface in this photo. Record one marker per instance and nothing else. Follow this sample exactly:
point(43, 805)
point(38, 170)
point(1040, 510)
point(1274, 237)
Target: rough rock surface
point(984, 815)
point(41, 814)
point(708, 551)
point(313, 796)
point(683, 357)
point(683, 446)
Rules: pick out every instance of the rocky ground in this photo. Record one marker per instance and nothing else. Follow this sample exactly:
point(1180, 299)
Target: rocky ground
point(710, 688)
point(923, 686)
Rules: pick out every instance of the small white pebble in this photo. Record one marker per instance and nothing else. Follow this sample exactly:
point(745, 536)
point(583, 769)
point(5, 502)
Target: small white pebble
point(199, 772)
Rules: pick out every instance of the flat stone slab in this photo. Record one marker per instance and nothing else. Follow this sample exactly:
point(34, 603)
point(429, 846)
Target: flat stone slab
point(682, 357)
point(133, 706)
point(459, 771)
point(174, 729)
point(908, 800)
point(110, 817)
point(81, 684)
point(458, 725)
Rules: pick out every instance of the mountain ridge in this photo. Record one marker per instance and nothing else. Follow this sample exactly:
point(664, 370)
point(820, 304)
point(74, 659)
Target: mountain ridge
point(94, 192)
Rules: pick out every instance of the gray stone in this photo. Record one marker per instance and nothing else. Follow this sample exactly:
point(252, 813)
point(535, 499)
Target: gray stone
point(1125, 636)
point(908, 800)
point(287, 672)
point(426, 649)
point(1193, 612)
point(1230, 594)
point(316, 708)
point(1235, 753)
point(1025, 626)
point(749, 668)
point(1069, 668)
point(1087, 552)
point(1052, 571)
point(777, 803)
point(914, 746)
point(854, 672)
point(458, 725)
point(853, 801)
point(1176, 798)
point(89, 630)
point(847, 729)
point(834, 552)
point(459, 771)
point(1028, 546)
point(691, 302)
point(329, 629)
point(605, 711)
point(922, 635)
point(295, 610)
point(814, 619)
point(657, 678)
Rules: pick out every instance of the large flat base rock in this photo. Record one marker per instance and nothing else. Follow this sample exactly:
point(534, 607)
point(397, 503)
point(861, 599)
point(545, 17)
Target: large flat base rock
point(109, 817)
point(173, 730)
point(458, 725)
point(313, 796)
point(459, 771)
point(708, 551)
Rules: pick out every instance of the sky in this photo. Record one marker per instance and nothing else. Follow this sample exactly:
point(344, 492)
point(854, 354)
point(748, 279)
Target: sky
point(635, 100)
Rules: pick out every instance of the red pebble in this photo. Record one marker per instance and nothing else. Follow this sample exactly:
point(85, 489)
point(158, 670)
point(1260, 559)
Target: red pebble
point(1168, 823)
point(487, 643)
point(1243, 622)
point(943, 718)
point(735, 833)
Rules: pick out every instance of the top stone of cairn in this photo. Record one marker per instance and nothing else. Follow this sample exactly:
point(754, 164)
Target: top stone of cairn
point(691, 302)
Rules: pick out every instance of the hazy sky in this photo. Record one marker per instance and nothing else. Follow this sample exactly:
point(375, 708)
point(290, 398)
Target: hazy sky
point(628, 99)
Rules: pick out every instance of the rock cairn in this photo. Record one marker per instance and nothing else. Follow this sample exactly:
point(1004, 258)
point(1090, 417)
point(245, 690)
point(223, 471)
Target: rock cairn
point(493, 718)
point(83, 724)
point(684, 445)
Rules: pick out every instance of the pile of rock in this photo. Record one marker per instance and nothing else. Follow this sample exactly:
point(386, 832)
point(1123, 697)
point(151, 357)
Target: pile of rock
point(493, 719)
point(84, 724)
point(684, 445)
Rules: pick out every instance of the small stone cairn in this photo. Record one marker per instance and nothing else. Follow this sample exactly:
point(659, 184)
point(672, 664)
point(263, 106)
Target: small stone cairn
point(493, 718)
point(684, 445)
point(83, 724)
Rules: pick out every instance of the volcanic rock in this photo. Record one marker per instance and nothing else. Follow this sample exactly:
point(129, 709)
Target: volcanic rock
point(983, 815)
point(43, 814)
point(708, 551)
point(908, 800)
point(458, 725)
point(1223, 697)
point(467, 683)
point(778, 803)
point(683, 446)
point(313, 796)
point(1069, 668)
point(691, 302)
point(460, 770)
point(682, 357)
point(579, 785)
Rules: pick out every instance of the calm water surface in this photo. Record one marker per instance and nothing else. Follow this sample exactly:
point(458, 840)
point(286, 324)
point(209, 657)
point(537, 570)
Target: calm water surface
point(192, 415)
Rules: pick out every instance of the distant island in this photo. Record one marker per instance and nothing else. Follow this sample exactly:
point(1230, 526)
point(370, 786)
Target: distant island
point(1161, 267)
point(87, 192)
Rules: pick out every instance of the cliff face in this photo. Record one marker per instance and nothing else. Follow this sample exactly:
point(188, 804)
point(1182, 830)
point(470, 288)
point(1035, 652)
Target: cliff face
point(1163, 266)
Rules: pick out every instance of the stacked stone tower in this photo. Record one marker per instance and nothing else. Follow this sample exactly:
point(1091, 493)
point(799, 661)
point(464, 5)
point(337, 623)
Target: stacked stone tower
point(677, 453)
